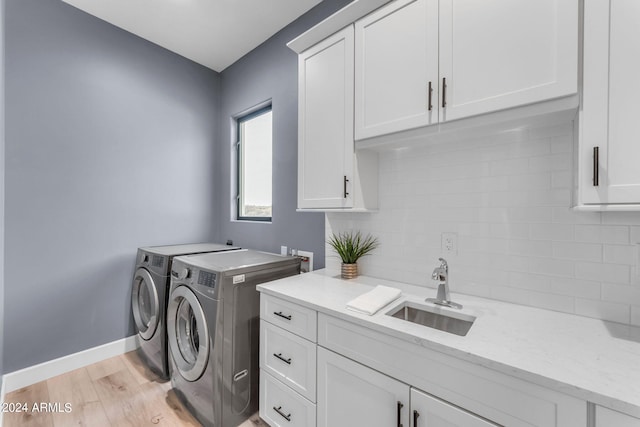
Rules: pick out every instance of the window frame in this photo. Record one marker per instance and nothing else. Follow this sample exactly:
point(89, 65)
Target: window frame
point(258, 111)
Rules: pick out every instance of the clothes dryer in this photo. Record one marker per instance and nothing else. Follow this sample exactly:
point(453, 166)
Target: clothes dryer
point(149, 295)
point(213, 331)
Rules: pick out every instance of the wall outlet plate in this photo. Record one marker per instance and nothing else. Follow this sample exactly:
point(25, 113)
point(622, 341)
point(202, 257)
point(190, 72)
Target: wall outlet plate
point(449, 243)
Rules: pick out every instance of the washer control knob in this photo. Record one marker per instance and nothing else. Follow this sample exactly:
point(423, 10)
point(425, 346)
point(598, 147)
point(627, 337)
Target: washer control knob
point(145, 258)
point(184, 273)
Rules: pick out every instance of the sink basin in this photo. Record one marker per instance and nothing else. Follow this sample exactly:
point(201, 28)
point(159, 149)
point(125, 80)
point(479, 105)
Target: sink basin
point(434, 317)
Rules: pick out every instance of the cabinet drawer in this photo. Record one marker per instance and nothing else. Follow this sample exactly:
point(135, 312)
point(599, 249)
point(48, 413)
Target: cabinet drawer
point(281, 406)
point(292, 317)
point(289, 358)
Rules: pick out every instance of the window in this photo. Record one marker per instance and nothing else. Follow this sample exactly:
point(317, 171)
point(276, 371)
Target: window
point(254, 166)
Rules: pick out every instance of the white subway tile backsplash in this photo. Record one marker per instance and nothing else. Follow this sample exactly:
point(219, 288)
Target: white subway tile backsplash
point(577, 251)
point(551, 267)
point(566, 215)
point(612, 273)
point(622, 218)
point(535, 248)
point(579, 288)
point(602, 234)
point(635, 315)
point(561, 179)
point(554, 232)
point(508, 197)
point(529, 214)
point(620, 293)
point(603, 310)
point(621, 254)
point(560, 144)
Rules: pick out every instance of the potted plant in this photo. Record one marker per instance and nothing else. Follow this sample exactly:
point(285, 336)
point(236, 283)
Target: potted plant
point(350, 246)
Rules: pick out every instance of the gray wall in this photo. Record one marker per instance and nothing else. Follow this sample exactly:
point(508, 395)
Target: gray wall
point(109, 143)
point(2, 322)
point(270, 72)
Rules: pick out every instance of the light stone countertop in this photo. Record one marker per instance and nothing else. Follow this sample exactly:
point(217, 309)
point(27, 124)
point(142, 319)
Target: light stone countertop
point(587, 358)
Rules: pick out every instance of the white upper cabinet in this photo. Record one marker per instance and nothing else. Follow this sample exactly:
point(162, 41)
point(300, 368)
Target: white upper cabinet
point(503, 53)
point(609, 175)
point(421, 62)
point(396, 68)
point(325, 130)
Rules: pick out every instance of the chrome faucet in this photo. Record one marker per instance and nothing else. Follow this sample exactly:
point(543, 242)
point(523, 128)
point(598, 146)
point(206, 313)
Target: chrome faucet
point(441, 274)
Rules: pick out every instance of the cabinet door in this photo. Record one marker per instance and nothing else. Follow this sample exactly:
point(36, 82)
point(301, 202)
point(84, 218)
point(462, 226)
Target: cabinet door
point(427, 411)
point(608, 418)
point(325, 127)
point(610, 106)
point(350, 394)
point(506, 53)
point(396, 63)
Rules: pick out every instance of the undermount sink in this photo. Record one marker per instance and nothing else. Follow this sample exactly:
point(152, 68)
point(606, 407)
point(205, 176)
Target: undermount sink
point(453, 323)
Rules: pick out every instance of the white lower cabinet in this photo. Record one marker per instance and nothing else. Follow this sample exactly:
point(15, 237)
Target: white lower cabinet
point(317, 369)
point(428, 411)
point(350, 394)
point(608, 418)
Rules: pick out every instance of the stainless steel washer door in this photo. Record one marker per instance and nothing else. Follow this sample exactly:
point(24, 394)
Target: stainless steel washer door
point(145, 304)
point(188, 333)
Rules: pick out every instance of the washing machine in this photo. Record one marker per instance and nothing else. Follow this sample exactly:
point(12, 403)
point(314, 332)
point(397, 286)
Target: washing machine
point(149, 295)
point(213, 331)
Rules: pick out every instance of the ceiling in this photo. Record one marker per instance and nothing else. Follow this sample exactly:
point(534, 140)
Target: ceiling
point(214, 33)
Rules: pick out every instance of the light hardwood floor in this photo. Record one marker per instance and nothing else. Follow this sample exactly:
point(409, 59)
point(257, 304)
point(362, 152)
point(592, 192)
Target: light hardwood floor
point(117, 392)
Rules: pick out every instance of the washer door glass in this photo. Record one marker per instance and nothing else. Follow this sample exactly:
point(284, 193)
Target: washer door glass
point(145, 304)
point(188, 333)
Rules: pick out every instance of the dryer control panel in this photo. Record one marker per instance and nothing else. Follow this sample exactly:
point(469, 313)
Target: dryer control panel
point(207, 279)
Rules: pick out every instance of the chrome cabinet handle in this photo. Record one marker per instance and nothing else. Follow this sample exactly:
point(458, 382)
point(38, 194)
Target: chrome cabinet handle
point(400, 405)
point(596, 161)
point(284, 316)
point(416, 414)
point(430, 92)
point(278, 410)
point(279, 356)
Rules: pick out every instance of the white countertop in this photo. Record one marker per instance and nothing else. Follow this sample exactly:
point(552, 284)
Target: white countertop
point(587, 358)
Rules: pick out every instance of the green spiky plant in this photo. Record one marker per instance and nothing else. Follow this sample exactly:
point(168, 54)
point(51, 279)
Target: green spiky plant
point(350, 246)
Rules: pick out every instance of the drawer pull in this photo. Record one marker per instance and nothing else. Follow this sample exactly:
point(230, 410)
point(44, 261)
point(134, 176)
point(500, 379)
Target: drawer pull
point(400, 405)
point(596, 160)
point(416, 414)
point(444, 92)
point(284, 316)
point(278, 410)
point(430, 92)
point(279, 356)
point(344, 187)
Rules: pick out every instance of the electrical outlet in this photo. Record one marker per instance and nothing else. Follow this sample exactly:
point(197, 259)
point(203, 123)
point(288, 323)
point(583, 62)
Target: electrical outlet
point(283, 250)
point(449, 244)
point(307, 261)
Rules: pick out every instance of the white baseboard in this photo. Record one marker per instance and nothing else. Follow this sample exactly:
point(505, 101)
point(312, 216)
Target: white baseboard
point(43, 371)
point(2, 393)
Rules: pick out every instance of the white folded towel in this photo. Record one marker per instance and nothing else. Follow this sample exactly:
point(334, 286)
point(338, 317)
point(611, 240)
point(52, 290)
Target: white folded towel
point(372, 301)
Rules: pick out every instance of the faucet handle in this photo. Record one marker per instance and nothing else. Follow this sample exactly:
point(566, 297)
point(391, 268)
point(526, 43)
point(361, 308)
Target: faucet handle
point(443, 264)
